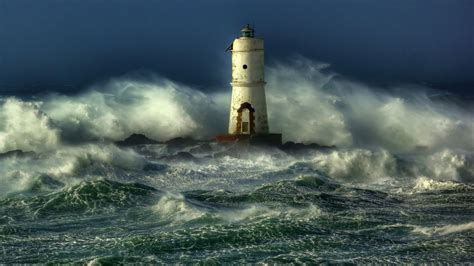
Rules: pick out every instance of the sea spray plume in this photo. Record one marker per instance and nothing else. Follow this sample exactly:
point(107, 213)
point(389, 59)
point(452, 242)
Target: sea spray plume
point(300, 107)
point(405, 122)
point(24, 127)
point(309, 104)
point(160, 109)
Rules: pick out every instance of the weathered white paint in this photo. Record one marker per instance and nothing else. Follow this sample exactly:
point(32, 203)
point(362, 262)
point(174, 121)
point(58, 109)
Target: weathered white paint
point(248, 83)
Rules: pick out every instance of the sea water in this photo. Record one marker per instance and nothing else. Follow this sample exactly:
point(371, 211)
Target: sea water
point(210, 203)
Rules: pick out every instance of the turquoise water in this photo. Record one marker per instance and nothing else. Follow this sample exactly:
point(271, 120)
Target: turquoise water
point(215, 204)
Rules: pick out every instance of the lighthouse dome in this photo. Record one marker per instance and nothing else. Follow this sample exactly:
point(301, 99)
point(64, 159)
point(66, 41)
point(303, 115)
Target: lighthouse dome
point(247, 31)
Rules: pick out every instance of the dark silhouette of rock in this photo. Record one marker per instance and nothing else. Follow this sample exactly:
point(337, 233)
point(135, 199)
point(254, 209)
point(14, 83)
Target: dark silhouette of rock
point(136, 139)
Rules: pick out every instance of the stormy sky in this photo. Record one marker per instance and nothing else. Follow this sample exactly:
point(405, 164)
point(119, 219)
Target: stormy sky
point(66, 45)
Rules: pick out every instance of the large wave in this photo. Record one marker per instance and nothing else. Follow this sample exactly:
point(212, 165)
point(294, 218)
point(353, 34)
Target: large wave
point(306, 102)
point(160, 109)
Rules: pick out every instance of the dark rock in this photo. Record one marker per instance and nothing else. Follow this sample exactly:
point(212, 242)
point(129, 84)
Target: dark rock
point(136, 139)
point(181, 141)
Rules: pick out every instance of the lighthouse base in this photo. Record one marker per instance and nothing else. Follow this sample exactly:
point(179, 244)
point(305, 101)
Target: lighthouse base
point(271, 139)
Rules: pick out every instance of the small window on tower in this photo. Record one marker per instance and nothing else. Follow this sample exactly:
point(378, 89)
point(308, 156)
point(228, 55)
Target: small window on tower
point(245, 66)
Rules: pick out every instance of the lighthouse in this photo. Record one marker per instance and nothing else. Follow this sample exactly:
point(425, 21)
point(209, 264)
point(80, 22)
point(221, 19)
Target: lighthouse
point(248, 119)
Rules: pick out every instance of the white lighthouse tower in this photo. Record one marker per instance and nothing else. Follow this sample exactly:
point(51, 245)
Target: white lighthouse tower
point(248, 109)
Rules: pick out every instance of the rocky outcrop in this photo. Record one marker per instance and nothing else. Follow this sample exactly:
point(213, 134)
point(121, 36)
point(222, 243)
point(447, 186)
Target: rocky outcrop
point(136, 139)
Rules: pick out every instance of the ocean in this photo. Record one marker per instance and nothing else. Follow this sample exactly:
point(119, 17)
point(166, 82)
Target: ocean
point(190, 201)
point(391, 182)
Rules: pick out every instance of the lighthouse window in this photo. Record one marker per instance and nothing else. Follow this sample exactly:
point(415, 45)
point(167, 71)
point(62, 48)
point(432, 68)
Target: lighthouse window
point(244, 66)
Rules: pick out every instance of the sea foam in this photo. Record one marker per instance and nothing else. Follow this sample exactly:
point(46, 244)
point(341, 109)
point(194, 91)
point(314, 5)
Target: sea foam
point(444, 230)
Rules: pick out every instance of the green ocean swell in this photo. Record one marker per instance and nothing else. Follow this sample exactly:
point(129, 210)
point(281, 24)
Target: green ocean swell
point(308, 219)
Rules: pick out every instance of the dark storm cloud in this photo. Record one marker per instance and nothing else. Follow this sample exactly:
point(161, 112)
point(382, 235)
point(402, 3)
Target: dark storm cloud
point(68, 44)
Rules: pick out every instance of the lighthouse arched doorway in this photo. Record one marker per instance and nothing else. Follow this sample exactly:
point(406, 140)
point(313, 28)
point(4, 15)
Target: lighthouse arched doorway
point(246, 119)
